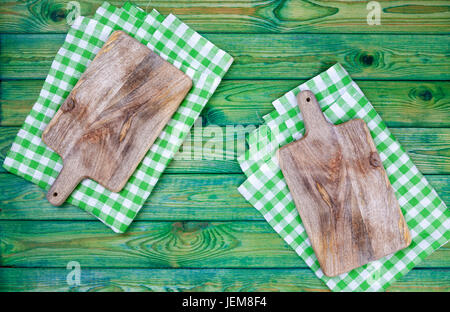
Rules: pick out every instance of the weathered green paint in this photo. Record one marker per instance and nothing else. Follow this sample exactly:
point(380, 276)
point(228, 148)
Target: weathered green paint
point(188, 280)
point(274, 56)
point(183, 244)
point(247, 16)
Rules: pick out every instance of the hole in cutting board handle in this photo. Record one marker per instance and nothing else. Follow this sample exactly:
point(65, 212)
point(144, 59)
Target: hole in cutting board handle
point(308, 99)
point(65, 183)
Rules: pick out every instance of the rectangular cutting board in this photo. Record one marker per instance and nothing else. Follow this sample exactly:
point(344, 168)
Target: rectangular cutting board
point(113, 115)
point(342, 192)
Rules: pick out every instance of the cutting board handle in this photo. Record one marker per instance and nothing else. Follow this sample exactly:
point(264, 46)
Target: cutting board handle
point(313, 117)
point(65, 183)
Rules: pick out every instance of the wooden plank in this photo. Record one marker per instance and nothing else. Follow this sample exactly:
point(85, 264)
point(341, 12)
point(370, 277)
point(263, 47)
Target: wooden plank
point(208, 244)
point(274, 56)
point(217, 149)
point(175, 197)
point(249, 16)
point(188, 280)
point(244, 102)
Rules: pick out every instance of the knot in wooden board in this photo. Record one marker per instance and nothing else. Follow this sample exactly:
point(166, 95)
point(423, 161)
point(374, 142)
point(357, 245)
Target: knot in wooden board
point(68, 105)
point(374, 159)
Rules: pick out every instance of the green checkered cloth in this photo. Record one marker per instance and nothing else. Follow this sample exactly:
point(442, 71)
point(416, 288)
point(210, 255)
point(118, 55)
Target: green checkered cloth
point(341, 100)
point(178, 44)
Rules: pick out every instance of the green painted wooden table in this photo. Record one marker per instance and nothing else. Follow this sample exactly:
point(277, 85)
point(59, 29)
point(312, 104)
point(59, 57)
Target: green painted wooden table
point(196, 232)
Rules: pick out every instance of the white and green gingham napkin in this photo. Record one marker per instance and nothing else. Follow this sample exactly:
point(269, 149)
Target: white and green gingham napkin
point(341, 100)
point(174, 41)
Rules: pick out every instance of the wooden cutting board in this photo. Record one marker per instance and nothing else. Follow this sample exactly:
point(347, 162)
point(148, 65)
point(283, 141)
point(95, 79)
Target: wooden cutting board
point(113, 115)
point(342, 192)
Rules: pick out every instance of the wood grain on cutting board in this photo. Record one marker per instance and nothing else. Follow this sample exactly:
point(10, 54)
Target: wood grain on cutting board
point(113, 115)
point(342, 192)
